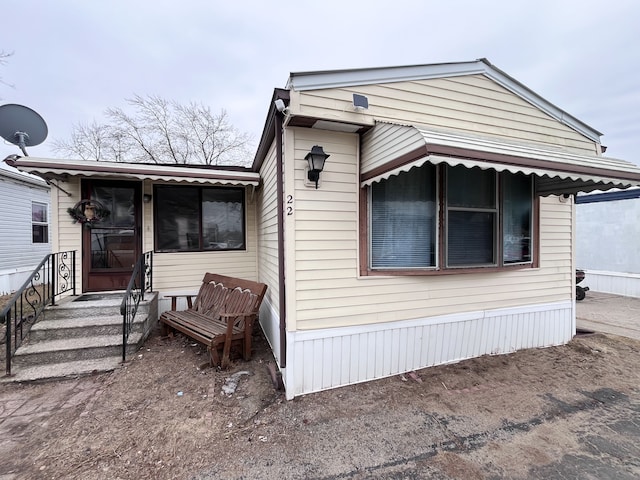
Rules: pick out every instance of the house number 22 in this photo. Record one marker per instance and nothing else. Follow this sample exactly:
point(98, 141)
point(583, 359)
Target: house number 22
point(289, 204)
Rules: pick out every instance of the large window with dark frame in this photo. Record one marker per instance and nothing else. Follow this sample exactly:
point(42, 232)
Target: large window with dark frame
point(193, 218)
point(435, 218)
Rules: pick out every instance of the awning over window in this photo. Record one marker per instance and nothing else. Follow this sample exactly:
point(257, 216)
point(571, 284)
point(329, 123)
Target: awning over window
point(60, 169)
point(389, 149)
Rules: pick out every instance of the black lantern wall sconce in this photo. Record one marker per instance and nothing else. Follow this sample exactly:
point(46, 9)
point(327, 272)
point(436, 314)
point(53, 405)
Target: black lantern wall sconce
point(316, 158)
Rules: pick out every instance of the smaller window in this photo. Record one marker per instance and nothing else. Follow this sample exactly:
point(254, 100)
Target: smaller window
point(472, 213)
point(39, 223)
point(517, 218)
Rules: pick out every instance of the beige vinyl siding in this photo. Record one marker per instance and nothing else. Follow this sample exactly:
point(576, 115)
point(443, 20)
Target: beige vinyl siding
point(556, 232)
point(326, 220)
point(386, 143)
point(67, 235)
point(267, 229)
point(329, 291)
point(473, 104)
point(183, 271)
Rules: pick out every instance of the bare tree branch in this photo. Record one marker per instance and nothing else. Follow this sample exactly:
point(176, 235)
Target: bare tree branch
point(160, 131)
point(89, 141)
point(3, 61)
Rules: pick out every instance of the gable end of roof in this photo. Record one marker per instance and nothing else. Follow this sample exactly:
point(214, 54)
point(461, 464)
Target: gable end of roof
point(305, 81)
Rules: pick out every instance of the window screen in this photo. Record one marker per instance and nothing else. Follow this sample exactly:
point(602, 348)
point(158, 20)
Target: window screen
point(403, 220)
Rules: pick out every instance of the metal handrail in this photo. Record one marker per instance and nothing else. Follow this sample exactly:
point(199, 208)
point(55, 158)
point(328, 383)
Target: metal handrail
point(54, 276)
point(141, 281)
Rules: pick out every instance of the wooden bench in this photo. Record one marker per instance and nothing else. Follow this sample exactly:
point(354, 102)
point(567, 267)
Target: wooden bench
point(224, 311)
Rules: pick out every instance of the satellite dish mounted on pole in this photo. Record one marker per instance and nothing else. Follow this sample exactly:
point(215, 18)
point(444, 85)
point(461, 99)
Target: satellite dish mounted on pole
point(22, 126)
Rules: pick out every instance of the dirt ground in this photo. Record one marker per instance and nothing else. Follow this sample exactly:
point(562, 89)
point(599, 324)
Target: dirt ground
point(162, 416)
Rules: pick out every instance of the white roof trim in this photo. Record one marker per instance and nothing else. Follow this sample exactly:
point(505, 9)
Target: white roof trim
point(120, 170)
point(22, 177)
point(562, 174)
point(303, 81)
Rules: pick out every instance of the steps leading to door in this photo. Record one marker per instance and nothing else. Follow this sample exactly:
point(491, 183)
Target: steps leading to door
point(66, 328)
point(81, 335)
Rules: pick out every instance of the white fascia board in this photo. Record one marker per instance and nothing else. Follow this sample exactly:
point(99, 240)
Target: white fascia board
point(167, 172)
point(302, 81)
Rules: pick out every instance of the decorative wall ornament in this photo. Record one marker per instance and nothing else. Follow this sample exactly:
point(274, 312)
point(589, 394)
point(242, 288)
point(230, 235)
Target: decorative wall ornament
point(88, 212)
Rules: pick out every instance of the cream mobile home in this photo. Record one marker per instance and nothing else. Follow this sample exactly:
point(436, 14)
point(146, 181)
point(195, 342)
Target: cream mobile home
point(441, 227)
point(401, 217)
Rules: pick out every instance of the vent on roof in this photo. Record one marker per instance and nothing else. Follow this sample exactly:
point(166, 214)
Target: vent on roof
point(360, 102)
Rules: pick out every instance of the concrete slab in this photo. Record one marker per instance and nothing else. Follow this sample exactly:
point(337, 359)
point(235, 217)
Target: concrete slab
point(63, 370)
point(608, 313)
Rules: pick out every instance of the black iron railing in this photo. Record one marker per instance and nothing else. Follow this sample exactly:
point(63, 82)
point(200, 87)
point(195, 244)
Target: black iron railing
point(54, 276)
point(141, 282)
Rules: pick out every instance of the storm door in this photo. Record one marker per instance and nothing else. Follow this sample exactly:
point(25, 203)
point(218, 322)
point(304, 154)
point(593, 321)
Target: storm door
point(110, 247)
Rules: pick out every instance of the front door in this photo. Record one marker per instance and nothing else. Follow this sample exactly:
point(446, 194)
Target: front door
point(111, 247)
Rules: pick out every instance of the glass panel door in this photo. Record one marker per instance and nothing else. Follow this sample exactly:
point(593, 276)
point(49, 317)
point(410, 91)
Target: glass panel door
point(112, 246)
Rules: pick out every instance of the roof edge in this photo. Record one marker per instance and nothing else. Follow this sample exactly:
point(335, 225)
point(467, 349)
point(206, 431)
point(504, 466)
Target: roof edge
point(19, 176)
point(268, 131)
point(45, 167)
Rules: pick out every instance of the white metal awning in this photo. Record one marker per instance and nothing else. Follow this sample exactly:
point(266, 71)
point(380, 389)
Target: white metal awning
point(60, 169)
point(389, 149)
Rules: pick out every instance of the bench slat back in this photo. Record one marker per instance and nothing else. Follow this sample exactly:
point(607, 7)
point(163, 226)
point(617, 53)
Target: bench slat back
point(239, 301)
point(256, 288)
point(210, 299)
point(220, 293)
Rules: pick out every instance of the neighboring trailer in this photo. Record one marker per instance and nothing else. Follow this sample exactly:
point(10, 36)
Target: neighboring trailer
point(24, 226)
point(611, 219)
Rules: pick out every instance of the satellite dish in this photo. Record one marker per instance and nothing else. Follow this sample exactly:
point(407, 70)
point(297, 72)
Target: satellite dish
point(22, 126)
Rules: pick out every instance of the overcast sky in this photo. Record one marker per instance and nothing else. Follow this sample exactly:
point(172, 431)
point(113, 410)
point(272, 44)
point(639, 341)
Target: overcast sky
point(73, 59)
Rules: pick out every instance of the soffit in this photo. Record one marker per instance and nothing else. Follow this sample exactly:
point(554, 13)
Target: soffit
point(61, 169)
point(399, 148)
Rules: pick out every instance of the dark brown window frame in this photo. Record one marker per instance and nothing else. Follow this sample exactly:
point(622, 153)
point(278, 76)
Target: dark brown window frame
point(441, 269)
point(200, 189)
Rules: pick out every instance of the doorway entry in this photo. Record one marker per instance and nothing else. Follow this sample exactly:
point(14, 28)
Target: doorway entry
point(110, 248)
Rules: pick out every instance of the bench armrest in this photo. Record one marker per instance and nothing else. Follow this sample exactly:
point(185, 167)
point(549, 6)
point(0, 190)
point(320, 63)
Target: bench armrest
point(174, 299)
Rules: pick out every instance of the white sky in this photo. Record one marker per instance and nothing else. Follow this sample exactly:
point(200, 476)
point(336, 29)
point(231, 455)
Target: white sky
point(73, 59)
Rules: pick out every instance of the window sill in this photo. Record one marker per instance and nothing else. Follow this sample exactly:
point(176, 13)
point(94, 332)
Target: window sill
point(445, 271)
point(203, 251)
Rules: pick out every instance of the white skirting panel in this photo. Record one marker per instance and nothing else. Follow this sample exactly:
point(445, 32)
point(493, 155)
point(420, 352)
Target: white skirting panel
point(322, 359)
point(12, 280)
point(270, 323)
point(618, 283)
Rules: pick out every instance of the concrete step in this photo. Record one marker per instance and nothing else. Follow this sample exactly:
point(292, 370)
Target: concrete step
point(81, 327)
point(79, 336)
point(74, 349)
point(91, 305)
point(62, 370)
